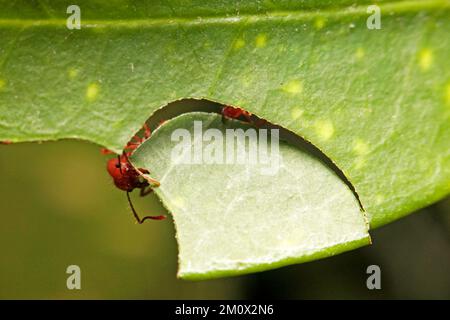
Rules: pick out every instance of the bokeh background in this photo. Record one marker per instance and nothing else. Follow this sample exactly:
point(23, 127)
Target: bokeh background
point(59, 207)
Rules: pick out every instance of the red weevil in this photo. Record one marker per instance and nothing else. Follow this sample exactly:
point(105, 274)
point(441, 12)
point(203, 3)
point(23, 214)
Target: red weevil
point(127, 178)
point(236, 113)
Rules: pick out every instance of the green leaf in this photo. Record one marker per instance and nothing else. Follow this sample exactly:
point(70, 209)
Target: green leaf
point(376, 102)
point(244, 217)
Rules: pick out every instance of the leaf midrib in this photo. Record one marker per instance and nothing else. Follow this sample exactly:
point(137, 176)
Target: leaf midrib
point(286, 16)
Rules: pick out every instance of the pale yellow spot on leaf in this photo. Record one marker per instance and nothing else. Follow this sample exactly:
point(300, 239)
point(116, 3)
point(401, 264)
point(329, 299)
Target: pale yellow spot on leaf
point(296, 113)
point(72, 73)
point(293, 87)
point(238, 44)
point(245, 82)
point(360, 53)
point(261, 40)
point(360, 147)
point(2, 84)
point(447, 94)
point(379, 199)
point(324, 129)
point(425, 59)
point(92, 91)
point(319, 23)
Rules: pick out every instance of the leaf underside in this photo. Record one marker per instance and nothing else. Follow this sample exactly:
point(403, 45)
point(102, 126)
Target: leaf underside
point(377, 102)
point(245, 217)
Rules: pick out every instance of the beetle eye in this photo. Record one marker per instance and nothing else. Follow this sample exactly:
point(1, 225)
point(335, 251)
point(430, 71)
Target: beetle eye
point(117, 165)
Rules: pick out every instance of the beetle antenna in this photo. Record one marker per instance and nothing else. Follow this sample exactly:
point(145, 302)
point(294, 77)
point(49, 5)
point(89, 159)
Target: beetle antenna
point(139, 220)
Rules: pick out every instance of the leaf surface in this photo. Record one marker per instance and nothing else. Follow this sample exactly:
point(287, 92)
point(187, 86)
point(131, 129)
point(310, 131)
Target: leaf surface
point(244, 217)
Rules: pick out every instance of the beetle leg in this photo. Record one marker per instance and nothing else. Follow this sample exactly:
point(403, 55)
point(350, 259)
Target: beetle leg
point(147, 131)
point(139, 220)
point(145, 191)
point(136, 139)
point(106, 151)
point(132, 146)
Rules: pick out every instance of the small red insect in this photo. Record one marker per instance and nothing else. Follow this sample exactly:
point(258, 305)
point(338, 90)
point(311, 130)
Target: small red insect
point(127, 178)
point(236, 113)
point(5, 142)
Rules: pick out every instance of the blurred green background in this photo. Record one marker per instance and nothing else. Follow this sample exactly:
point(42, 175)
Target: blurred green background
point(59, 207)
